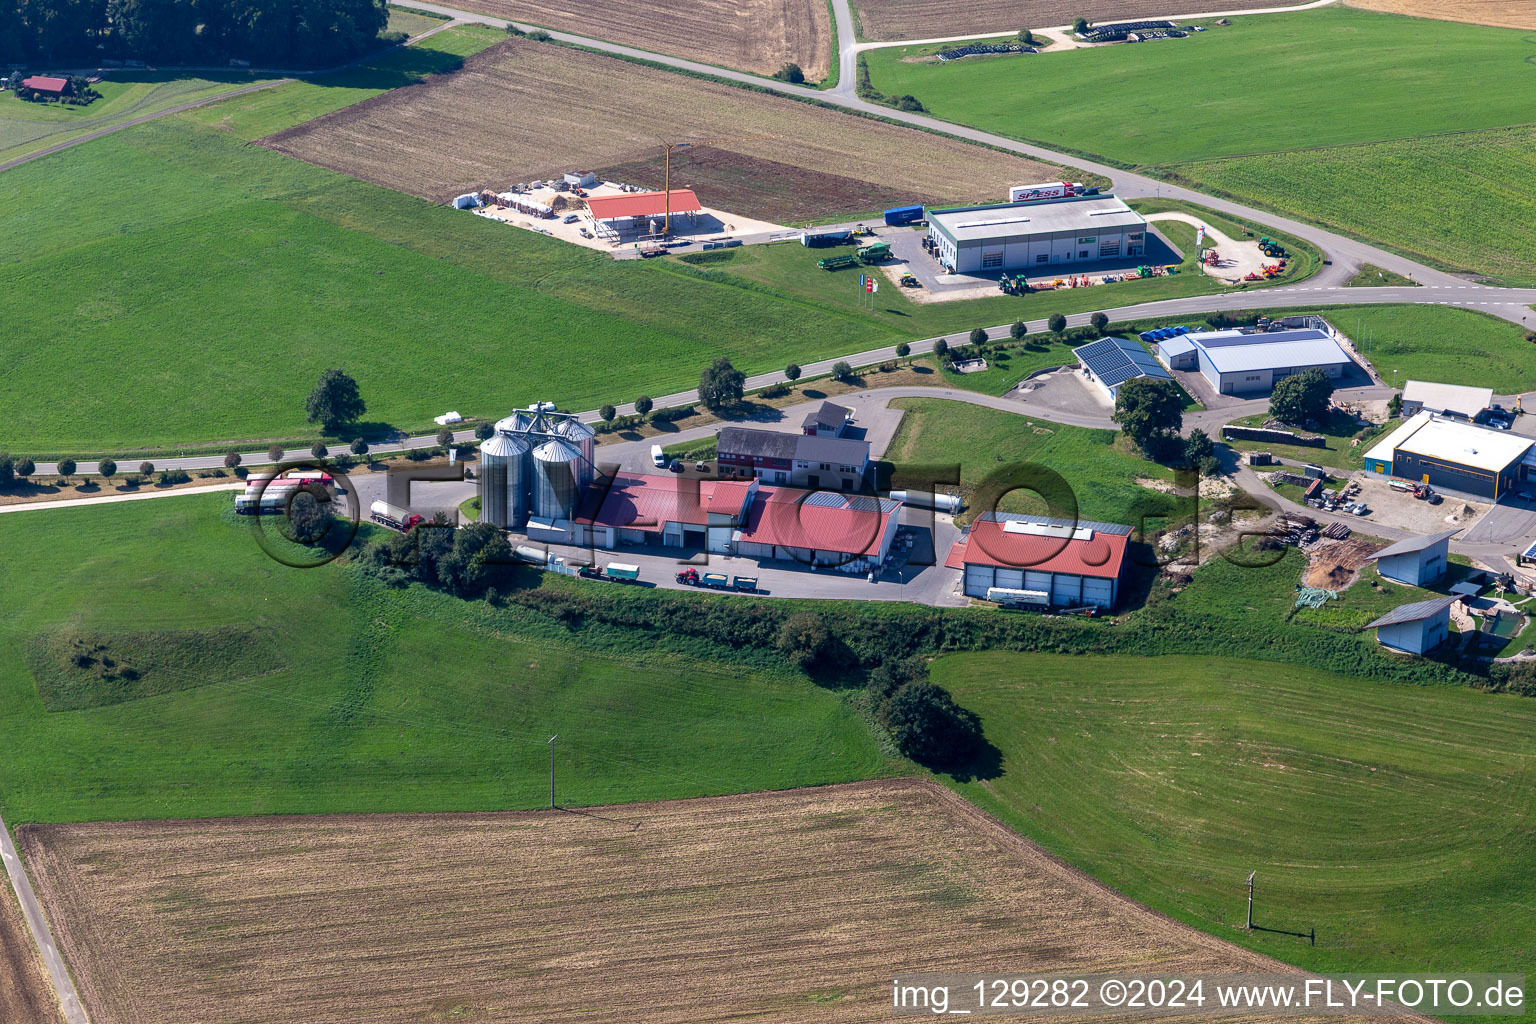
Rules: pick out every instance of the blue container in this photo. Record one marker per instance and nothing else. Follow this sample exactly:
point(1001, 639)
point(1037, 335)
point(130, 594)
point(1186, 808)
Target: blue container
point(903, 214)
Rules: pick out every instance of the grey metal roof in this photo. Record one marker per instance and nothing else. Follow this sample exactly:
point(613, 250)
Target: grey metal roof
point(1416, 612)
point(779, 444)
point(1412, 544)
point(828, 415)
point(1081, 524)
point(1234, 351)
point(1041, 216)
point(762, 444)
point(1116, 360)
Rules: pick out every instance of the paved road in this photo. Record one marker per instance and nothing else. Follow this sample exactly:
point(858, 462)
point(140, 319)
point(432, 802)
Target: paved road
point(42, 935)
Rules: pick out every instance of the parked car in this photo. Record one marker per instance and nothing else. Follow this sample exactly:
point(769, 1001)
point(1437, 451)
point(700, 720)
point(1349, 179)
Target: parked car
point(676, 466)
point(569, 218)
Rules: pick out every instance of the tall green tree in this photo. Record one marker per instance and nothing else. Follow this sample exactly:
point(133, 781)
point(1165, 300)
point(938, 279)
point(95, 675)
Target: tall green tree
point(1301, 397)
point(335, 401)
point(721, 385)
point(1148, 408)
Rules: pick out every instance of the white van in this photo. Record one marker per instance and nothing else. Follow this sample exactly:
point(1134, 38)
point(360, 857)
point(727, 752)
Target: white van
point(658, 456)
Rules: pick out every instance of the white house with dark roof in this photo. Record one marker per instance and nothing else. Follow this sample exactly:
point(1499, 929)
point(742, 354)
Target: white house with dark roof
point(1415, 628)
point(1418, 561)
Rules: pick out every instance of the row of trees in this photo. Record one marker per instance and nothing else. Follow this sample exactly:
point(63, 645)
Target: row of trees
point(278, 33)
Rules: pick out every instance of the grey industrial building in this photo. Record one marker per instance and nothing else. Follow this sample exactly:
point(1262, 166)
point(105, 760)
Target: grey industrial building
point(1418, 561)
point(1037, 234)
point(1415, 628)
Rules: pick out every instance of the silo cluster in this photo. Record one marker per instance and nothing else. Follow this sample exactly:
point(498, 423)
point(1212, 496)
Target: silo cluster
point(537, 463)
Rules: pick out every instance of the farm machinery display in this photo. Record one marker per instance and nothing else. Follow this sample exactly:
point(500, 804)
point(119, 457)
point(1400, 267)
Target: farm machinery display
point(875, 253)
point(1015, 285)
point(838, 262)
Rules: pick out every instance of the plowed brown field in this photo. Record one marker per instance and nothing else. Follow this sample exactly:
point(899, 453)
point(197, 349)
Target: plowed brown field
point(749, 35)
point(933, 19)
point(788, 906)
point(523, 110)
point(1503, 13)
point(26, 993)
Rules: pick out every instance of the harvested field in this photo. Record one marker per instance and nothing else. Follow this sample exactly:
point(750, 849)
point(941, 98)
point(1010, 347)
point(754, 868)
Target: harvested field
point(749, 35)
point(26, 994)
point(932, 19)
point(525, 109)
point(797, 905)
point(762, 188)
point(1502, 13)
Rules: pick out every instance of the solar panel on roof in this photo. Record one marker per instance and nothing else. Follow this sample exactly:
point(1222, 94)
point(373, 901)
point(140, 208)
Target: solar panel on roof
point(1116, 360)
point(825, 499)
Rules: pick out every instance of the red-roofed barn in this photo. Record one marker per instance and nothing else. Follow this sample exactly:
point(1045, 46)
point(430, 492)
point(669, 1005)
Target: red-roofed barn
point(740, 517)
point(46, 84)
point(1033, 560)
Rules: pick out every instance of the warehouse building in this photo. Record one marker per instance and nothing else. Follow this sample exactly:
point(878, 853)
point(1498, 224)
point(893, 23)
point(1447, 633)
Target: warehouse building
point(1418, 561)
point(1454, 455)
point(1037, 234)
point(800, 460)
point(1110, 362)
point(1415, 628)
point(1451, 400)
point(1041, 562)
point(740, 517)
point(1243, 361)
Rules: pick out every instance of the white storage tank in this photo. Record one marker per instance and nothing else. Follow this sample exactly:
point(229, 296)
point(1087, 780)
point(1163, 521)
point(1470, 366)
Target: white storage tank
point(556, 465)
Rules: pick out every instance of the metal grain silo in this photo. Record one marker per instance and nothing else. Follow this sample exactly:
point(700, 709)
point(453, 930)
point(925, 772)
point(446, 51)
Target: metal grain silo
point(556, 485)
point(504, 478)
point(584, 438)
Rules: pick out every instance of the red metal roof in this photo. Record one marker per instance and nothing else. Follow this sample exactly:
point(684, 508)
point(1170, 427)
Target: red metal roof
point(642, 204)
point(781, 516)
point(644, 502)
point(46, 83)
point(728, 497)
point(986, 543)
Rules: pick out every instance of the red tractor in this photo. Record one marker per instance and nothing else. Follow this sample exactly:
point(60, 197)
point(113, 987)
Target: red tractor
point(689, 576)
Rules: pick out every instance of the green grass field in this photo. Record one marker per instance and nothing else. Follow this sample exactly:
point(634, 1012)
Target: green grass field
point(1440, 343)
point(363, 699)
point(1479, 181)
point(1321, 132)
point(1372, 276)
point(244, 274)
point(1389, 818)
point(1097, 465)
point(28, 127)
point(1335, 76)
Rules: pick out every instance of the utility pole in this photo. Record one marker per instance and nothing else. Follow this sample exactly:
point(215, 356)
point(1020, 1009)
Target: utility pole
point(552, 806)
point(1250, 898)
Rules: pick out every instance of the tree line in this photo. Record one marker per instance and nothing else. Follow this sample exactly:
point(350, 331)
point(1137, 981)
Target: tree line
point(274, 33)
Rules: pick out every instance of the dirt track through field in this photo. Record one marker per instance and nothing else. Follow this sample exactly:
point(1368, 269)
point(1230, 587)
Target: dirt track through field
point(748, 35)
point(26, 995)
point(789, 906)
point(1503, 13)
point(523, 110)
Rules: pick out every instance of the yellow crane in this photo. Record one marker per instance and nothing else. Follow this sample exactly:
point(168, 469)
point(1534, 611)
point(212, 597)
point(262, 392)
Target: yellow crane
point(668, 147)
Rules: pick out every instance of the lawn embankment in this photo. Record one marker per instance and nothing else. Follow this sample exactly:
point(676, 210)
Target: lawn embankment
point(1384, 817)
point(1346, 442)
point(375, 699)
point(1348, 153)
